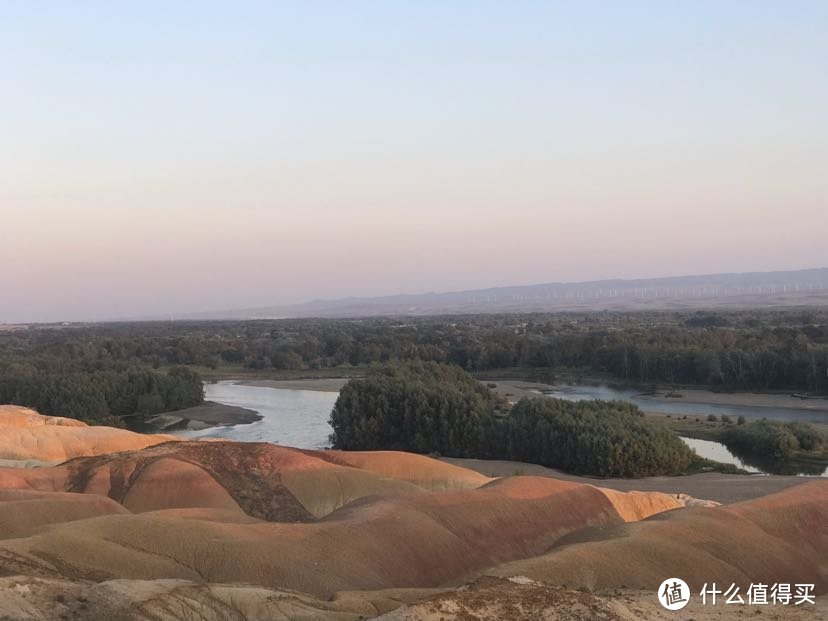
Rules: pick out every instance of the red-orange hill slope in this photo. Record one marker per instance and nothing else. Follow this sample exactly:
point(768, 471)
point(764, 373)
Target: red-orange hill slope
point(320, 522)
point(198, 502)
point(782, 537)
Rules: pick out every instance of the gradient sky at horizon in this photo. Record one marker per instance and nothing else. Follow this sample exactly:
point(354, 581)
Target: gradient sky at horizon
point(168, 157)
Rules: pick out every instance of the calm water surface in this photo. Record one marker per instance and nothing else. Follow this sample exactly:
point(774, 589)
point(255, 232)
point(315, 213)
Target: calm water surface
point(717, 452)
point(291, 417)
point(671, 406)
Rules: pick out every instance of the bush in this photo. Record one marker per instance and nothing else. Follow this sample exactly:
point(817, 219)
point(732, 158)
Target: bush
point(773, 439)
point(809, 437)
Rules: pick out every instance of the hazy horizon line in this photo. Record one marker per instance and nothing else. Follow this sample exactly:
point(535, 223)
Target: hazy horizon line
point(165, 316)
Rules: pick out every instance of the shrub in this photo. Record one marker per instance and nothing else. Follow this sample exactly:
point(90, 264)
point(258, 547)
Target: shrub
point(809, 437)
point(773, 439)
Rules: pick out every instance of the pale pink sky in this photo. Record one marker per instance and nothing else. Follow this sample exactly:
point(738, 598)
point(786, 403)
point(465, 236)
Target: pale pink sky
point(229, 162)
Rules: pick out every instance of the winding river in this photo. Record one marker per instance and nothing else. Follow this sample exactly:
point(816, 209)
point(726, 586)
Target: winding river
point(300, 417)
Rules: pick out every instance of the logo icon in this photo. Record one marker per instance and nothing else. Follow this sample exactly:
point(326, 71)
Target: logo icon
point(674, 594)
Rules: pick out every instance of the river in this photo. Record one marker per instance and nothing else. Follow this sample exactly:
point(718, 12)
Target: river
point(665, 405)
point(291, 417)
point(718, 452)
point(300, 417)
point(704, 448)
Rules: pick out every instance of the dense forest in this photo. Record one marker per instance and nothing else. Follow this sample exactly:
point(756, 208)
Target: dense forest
point(740, 350)
point(434, 408)
point(122, 370)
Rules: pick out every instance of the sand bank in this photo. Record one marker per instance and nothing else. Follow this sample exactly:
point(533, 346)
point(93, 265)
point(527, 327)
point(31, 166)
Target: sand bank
point(328, 384)
point(751, 399)
point(208, 414)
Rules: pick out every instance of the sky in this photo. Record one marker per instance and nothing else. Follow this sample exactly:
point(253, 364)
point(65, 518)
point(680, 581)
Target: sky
point(172, 157)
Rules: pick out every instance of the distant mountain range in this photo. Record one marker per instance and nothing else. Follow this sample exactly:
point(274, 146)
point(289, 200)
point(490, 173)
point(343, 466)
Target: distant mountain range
point(754, 289)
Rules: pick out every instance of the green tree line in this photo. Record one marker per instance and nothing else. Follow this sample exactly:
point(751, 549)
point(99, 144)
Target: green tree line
point(740, 350)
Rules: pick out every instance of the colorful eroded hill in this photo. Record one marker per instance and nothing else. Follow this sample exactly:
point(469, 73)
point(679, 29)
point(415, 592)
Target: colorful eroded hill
point(147, 527)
